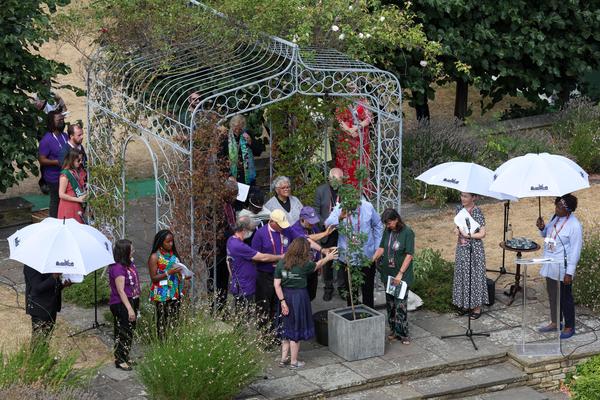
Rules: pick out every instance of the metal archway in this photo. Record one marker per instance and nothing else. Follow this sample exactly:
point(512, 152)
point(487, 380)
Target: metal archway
point(142, 94)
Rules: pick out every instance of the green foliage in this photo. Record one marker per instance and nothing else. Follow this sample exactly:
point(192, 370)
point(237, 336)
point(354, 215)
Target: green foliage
point(82, 294)
point(433, 280)
point(24, 27)
point(585, 145)
point(585, 383)
point(586, 289)
point(205, 357)
point(579, 128)
point(511, 46)
point(426, 145)
point(298, 125)
point(38, 365)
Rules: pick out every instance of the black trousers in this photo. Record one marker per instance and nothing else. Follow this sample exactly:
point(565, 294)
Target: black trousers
point(221, 283)
point(53, 206)
point(123, 329)
point(41, 329)
point(368, 287)
point(329, 272)
point(265, 297)
point(312, 284)
point(167, 314)
point(567, 303)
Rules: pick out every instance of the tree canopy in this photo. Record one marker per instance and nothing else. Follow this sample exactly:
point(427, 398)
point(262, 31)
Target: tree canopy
point(513, 46)
point(24, 27)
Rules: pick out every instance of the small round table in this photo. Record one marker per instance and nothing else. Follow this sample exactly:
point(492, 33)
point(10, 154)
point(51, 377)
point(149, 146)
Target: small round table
point(512, 292)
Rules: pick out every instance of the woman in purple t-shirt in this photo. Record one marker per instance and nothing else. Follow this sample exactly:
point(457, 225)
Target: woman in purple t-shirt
point(124, 300)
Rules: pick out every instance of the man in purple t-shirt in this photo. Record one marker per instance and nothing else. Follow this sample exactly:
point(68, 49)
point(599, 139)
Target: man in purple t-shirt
point(50, 148)
point(269, 239)
point(240, 260)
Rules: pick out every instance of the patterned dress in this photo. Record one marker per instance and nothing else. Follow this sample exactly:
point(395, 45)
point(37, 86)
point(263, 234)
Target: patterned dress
point(173, 288)
point(460, 290)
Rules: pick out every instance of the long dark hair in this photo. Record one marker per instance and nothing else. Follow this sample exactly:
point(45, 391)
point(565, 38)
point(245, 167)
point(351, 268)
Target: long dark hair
point(159, 239)
point(297, 254)
point(389, 214)
point(122, 252)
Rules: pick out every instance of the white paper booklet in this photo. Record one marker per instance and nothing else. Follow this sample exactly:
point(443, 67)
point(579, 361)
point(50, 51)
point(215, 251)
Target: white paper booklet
point(461, 221)
point(391, 288)
point(185, 271)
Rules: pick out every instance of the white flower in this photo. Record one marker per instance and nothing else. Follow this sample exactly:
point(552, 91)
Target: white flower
point(368, 35)
point(295, 39)
point(335, 28)
point(381, 19)
point(342, 36)
point(423, 63)
point(360, 35)
point(350, 7)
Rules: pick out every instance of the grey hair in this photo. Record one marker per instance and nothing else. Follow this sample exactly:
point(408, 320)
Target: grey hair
point(278, 180)
point(243, 223)
point(238, 119)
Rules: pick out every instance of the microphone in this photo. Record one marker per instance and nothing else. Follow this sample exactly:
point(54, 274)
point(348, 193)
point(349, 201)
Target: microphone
point(468, 225)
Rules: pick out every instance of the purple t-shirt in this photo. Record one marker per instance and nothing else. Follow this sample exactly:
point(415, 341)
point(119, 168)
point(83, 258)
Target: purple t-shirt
point(132, 282)
point(297, 230)
point(262, 243)
point(243, 271)
point(51, 147)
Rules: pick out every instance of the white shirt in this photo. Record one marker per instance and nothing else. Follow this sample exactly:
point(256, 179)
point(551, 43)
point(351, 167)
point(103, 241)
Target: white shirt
point(567, 234)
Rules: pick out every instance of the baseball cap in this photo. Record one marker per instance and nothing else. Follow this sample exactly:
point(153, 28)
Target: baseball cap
point(279, 217)
point(309, 215)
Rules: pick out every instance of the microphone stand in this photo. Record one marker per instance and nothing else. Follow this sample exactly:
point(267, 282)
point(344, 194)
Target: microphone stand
point(469, 333)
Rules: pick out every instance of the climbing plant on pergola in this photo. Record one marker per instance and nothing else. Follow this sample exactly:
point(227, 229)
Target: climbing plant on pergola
point(144, 96)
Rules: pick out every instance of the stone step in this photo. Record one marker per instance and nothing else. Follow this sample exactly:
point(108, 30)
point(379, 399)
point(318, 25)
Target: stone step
point(519, 393)
point(456, 384)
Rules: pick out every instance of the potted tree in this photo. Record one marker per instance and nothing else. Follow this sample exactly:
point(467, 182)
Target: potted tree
point(358, 331)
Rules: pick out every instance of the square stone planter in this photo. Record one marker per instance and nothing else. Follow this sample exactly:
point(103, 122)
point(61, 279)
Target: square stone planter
point(359, 339)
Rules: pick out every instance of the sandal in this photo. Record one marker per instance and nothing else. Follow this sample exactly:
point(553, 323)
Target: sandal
point(124, 366)
point(392, 338)
point(284, 363)
point(297, 365)
point(475, 315)
point(405, 340)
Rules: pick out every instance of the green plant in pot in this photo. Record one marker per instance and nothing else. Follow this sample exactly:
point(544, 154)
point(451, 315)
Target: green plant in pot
point(356, 260)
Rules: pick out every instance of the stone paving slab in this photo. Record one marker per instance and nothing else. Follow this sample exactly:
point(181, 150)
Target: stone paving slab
point(440, 385)
point(332, 377)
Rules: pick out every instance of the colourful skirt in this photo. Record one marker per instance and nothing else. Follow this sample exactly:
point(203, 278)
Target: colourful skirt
point(298, 324)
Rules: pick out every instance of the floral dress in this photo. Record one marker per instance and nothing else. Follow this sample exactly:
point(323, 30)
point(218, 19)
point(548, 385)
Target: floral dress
point(460, 289)
point(348, 155)
point(170, 288)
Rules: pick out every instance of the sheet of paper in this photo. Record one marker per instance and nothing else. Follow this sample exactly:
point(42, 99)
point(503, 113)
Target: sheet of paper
point(243, 190)
point(72, 277)
point(461, 221)
point(185, 271)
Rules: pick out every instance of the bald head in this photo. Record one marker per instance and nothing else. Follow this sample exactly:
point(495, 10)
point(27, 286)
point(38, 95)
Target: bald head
point(336, 175)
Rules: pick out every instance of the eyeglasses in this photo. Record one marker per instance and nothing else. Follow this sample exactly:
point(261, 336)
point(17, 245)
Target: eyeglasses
point(283, 187)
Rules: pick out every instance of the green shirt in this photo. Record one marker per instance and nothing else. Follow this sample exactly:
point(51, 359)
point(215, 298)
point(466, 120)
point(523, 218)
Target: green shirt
point(405, 240)
point(295, 277)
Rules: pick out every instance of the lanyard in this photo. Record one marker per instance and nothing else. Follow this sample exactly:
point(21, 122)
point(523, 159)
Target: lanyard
point(269, 229)
point(389, 245)
point(332, 204)
point(60, 145)
point(559, 229)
